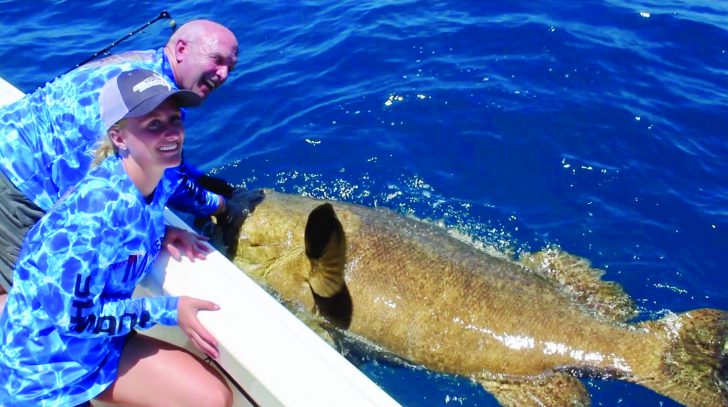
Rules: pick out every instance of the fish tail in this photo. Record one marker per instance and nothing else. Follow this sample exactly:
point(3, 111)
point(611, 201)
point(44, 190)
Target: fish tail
point(693, 365)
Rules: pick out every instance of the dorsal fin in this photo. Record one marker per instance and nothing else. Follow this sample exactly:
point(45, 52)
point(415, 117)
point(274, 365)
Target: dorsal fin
point(326, 250)
point(575, 276)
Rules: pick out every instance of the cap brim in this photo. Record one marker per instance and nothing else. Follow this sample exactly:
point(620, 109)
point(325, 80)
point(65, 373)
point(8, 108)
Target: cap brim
point(184, 98)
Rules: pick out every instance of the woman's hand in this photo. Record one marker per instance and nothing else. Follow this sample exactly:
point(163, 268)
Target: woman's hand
point(187, 309)
point(178, 240)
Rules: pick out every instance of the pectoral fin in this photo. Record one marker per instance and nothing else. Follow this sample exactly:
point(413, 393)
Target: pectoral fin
point(326, 250)
point(557, 389)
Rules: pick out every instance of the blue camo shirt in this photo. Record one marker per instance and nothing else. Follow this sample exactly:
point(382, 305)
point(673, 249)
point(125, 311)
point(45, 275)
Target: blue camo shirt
point(48, 137)
point(70, 308)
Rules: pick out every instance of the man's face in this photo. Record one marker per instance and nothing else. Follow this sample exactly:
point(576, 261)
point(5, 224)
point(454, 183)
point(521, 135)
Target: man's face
point(206, 60)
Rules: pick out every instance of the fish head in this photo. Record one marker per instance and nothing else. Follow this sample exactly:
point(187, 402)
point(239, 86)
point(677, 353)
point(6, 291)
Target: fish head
point(272, 236)
point(293, 244)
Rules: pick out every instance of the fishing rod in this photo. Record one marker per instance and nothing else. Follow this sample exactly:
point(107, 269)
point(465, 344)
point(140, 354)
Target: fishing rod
point(162, 16)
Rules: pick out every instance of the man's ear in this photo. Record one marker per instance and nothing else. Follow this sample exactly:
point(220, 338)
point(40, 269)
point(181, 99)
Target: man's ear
point(180, 49)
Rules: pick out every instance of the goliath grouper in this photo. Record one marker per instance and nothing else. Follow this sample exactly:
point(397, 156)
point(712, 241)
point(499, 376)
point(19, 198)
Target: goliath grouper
point(526, 330)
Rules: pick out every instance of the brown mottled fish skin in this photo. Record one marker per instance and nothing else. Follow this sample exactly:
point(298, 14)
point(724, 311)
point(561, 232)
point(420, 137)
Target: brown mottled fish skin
point(436, 301)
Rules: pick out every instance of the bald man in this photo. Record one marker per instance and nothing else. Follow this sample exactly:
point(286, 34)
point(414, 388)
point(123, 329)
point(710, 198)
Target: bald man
point(47, 138)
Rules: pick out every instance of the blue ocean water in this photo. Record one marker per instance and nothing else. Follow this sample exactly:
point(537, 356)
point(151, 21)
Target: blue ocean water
point(598, 126)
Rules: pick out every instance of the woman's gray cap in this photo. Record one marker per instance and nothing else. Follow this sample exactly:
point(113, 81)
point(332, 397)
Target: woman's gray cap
point(138, 92)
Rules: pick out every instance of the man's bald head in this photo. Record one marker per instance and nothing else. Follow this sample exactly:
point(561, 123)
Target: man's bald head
point(202, 53)
point(198, 28)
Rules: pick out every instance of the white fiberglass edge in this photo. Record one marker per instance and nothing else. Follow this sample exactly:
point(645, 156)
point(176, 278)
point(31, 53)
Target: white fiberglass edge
point(8, 93)
point(273, 356)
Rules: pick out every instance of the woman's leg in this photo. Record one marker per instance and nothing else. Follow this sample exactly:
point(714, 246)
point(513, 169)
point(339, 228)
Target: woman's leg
point(3, 300)
point(155, 373)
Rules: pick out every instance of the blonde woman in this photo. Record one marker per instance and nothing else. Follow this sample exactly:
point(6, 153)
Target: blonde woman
point(67, 333)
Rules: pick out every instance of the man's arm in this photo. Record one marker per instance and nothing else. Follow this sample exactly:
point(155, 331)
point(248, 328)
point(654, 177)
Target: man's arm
point(197, 193)
point(204, 196)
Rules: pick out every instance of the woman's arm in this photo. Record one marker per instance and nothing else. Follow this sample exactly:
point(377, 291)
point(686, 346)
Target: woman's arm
point(84, 260)
point(178, 240)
